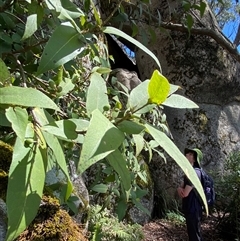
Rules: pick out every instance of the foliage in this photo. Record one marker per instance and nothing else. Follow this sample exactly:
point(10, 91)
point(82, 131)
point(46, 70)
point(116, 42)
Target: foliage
point(229, 196)
point(225, 11)
point(55, 94)
point(176, 218)
point(104, 226)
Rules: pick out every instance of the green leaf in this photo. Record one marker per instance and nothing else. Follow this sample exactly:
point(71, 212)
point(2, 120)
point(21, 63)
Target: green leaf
point(67, 129)
point(66, 85)
point(115, 31)
point(57, 151)
point(96, 15)
point(173, 88)
point(100, 188)
point(121, 209)
point(62, 128)
point(139, 142)
point(203, 6)
point(119, 164)
point(101, 139)
point(158, 88)
point(5, 75)
point(31, 26)
point(179, 101)
point(130, 127)
point(179, 158)
point(189, 22)
point(26, 181)
point(3, 119)
point(97, 94)
point(66, 8)
point(138, 97)
point(36, 12)
point(28, 97)
point(64, 45)
point(19, 119)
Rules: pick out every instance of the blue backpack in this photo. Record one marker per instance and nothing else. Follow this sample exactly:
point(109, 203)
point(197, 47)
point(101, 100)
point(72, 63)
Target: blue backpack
point(208, 187)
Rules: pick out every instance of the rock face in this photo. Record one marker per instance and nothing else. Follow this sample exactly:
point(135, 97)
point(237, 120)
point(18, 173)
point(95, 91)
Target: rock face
point(3, 219)
point(209, 76)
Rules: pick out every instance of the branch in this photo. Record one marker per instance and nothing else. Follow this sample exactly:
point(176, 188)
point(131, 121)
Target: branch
point(225, 43)
point(217, 35)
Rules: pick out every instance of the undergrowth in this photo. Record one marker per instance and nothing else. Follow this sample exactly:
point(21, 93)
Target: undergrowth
point(106, 227)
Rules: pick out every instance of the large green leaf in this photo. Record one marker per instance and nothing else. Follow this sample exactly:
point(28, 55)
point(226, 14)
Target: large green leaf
point(179, 101)
point(119, 164)
point(57, 151)
point(179, 158)
point(115, 31)
point(64, 44)
point(28, 97)
point(97, 94)
point(158, 88)
point(25, 184)
point(19, 119)
point(101, 139)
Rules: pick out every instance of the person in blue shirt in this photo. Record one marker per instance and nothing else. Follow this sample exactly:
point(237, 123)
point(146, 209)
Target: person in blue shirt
point(191, 204)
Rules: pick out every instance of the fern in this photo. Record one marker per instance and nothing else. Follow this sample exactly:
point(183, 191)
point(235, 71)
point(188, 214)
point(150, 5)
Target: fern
point(106, 227)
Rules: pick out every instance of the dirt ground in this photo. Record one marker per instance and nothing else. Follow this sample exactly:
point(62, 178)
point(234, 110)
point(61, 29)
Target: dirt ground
point(164, 230)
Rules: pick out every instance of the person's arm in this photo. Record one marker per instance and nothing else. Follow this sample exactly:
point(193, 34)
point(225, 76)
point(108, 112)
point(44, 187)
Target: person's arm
point(184, 192)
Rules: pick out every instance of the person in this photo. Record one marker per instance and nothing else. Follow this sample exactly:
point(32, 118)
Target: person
point(191, 203)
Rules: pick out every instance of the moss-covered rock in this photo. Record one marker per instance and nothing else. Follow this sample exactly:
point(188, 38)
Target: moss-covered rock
point(6, 152)
point(52, 224)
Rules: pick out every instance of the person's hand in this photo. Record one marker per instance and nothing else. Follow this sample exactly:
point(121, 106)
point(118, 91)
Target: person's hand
point(180, 191)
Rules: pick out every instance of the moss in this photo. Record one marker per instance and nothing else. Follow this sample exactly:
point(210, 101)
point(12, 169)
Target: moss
point(52, 224)
point(6, 152)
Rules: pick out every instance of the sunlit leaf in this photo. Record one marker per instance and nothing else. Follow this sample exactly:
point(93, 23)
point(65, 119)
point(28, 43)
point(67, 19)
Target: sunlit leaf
point(101, 139)
point(97, 94)
point(28, 97)
point(138, 97)
point(64, 44)
point(19, 119)
point(180, 102)
point(115, 31)
point(158, 88)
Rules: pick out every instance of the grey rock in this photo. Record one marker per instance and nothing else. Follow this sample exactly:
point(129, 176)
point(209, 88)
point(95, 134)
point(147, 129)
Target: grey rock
point(3, 220)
